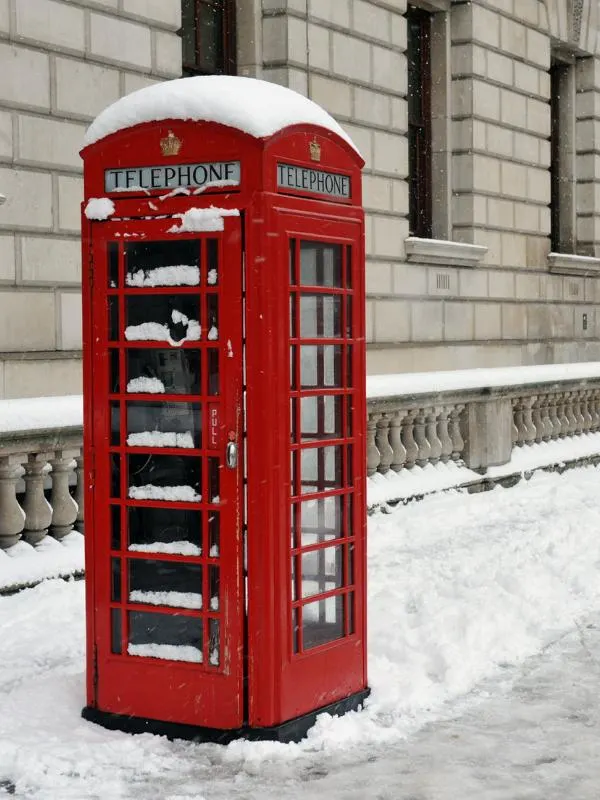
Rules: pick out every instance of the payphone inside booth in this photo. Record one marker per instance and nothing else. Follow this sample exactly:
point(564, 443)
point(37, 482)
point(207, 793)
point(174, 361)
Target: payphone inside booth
point(224, 393)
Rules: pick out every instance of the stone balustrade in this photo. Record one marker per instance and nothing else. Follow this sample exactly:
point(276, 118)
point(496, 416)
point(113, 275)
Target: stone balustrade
point(479, 426)
point(472, 418)
point(41, 487)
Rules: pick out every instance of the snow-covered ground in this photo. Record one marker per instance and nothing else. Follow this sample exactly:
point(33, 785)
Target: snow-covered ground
point(463, 589)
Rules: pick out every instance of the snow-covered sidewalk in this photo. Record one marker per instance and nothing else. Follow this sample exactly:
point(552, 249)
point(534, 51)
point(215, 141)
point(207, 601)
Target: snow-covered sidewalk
point(463, 590)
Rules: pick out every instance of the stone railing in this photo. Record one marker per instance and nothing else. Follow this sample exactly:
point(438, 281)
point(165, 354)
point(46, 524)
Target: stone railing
point(477, 417)
point(41, 487)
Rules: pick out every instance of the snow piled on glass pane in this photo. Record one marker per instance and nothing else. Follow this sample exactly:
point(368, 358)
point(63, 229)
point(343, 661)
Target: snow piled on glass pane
point(213, 334)
point(173, 548)
point(212, 277)
point(166, 652)
point(199, 220)
point(256, 107)
point(182, 494)
point(176, 275)
point(160, 439)
point(174, 599)
point(143, 385)
point(99, 208)
point(157, 332)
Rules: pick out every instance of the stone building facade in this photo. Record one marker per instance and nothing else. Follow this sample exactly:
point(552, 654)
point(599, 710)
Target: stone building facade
point(508, 271)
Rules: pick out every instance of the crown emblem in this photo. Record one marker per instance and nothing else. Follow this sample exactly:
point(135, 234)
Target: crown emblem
point(315, 150)
point(170, 145)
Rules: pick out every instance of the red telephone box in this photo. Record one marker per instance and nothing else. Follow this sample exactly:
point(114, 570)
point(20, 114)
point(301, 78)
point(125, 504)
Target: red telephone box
point(224, 375)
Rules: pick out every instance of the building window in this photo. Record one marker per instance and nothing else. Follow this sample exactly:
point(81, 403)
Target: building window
point(208, 34)
point(562, 156)
point(419, 122)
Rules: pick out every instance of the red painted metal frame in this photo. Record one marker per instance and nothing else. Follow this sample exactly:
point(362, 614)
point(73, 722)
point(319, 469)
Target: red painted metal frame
point(280, 685)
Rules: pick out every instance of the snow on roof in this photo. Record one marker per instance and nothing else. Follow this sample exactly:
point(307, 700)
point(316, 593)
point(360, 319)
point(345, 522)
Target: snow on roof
point(256, 107)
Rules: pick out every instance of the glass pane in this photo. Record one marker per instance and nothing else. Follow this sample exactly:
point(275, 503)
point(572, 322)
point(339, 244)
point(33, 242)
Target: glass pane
point(321, 520)
point(163, 371)
point(116, 580)
point(320, 316)
point(172, 263)
point(292, 261)
point(113, 265)
point(165, 583)
point(320, 264)
point(115, 423)
point(209, 32)
point(167, 636)
point(214, 534)
point(214, 643)
point(321, 417)
point(162, 318)
point(115, 521)
point(115, 619)
point(351, 614)
point(320, 366)
point(213, 372)
point(164, 424)
point(212, 262)
point(114, 379)
point(115, 475)
point(165, 530)
point(171, 478)
point(113, 318)
point(321, 469)
point(214, 478)
point(293, 319)
point(323, 621)
point(215, 582)
point(296, 629)
point(188, 31)
point(322, 571)
point(212, 324)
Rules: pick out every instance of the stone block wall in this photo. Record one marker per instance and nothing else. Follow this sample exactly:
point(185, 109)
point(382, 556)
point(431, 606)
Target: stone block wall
point(61, 61)
point(491, 115)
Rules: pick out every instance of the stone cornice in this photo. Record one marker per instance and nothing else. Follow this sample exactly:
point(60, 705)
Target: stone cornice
point(566, 264)
point(443, 252)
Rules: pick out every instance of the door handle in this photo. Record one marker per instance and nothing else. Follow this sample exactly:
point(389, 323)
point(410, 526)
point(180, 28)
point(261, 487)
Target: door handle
point(231, 455)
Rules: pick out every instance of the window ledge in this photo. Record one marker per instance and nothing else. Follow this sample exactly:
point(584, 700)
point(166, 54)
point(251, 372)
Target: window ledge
point(443, 252)
point(566, 264)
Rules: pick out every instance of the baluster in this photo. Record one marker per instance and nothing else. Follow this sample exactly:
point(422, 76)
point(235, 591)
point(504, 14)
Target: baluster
point(595, 409)
point(421, 439)
point(399, 457)
point(79, 494)
point(458, 443)
point(408, 437)
point(38, 511)
point(577, 413)
point(383, 444)
point(553, 416)
point(64, 508)
point(562, 415)
point(519, 432)
point(12, 516)
point(569, 413)
point(530, 432)
point(536, 419)
point(585, 410)
point(435, 445)
point(372, 451)
point(444, 435)
point(545, 416)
